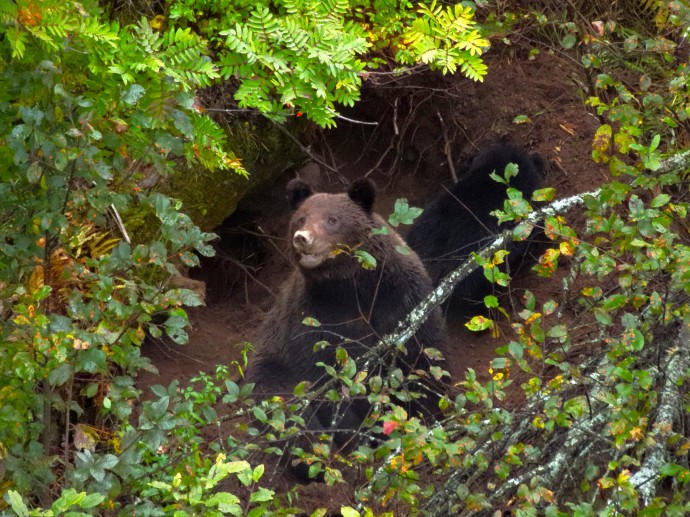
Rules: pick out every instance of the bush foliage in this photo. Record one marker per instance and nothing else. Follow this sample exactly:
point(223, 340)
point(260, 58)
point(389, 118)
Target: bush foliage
point(91, 109)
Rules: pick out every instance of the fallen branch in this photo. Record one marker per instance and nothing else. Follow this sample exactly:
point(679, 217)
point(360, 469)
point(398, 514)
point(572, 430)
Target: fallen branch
point(410, 325)
point(675, 368)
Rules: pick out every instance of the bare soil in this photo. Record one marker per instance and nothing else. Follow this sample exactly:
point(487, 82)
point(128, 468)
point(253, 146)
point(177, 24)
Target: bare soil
point(424, 123)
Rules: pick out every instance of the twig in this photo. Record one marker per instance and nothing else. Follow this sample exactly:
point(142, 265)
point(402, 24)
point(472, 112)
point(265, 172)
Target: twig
point(447, 149)
point(304, 148)
point(246, 271)
point(395, 116)
point(362, 122)
point(120, 224)
point(270, 240)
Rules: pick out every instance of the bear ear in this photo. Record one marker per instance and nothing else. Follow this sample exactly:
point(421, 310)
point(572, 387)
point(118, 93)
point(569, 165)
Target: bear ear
point(363, 192)
point(297, 191)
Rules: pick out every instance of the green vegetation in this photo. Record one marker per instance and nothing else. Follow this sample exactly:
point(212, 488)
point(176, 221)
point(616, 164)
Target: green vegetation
point(93, 108)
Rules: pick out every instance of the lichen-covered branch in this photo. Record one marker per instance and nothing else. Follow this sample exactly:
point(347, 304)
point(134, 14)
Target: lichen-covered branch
point(675, 368)
point(410, 325)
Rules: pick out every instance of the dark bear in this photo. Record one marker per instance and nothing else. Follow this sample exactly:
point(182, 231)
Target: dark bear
point(459, 222)
point(354, 306)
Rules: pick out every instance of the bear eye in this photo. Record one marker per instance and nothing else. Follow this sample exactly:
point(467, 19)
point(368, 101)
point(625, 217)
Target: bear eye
point(332, 221)
point(301, 220)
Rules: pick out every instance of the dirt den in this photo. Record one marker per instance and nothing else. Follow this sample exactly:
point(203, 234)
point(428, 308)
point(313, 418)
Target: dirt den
point(423, 123)
point(405, 153)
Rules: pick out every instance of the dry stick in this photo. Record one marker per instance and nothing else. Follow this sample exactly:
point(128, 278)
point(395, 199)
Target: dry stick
point(447, 149)
point(270, 238)
point(676, 162)
point(305, 149)
point(395, 116)
point(227, 258)
point(120, 224)
point(361, 122)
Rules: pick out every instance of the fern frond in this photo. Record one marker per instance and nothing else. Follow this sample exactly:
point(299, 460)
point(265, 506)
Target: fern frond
point(262, 21)
point(17, 40)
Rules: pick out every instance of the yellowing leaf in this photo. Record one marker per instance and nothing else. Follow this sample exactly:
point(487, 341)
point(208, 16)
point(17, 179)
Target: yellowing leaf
point(602, 143)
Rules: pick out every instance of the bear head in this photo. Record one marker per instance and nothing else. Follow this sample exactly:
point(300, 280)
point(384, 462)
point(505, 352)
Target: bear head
point(325, 227)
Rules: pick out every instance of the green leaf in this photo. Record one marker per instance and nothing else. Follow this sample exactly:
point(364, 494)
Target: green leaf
point(92, 500)
point(403, 250)
point(366, 260)
point(257, 473)
point(544, 194)
point(615, 302)
point(634, 339)
point(348, 511)
point(314, 470)
point(516, 349)
point(660, 200)
point(17, 503)
point(311, 322)
point(558, 331)
point(233, 392)
point(34, 172)
point(92, 360)
point(133, 94)
point(260, 414)
point(479, 323)
point(301, 388)
point(91, 389)
point(69, 498)
point(375, 383)
point(165, 487)
point(61, 374)
point(522, 231)
point(602, 316)
point(569, 41)
point(262, 495)
point(601, 143)
point(521, 119)
point(235, 466)
point(380, 231)
point(403, 213)
point(227, 503)
point(491, 301)
point(654, 143)
point(671, 469)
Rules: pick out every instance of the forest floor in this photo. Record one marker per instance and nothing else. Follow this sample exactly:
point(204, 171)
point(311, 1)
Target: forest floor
point(407, 155)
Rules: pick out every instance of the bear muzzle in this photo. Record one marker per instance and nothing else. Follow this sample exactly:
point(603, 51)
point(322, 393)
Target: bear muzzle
point(311, 255)
point(302, 240)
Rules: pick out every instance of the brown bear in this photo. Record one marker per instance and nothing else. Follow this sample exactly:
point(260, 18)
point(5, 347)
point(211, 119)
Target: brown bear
point(354, 305)
point(459, 222)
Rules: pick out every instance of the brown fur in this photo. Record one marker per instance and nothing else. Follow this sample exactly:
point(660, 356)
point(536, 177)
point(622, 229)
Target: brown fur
point(354, 306)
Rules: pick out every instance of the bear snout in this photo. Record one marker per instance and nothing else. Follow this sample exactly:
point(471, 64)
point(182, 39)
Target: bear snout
point(302, 240)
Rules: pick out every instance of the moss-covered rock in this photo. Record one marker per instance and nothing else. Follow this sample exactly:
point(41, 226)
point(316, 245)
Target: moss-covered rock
point(209, 197)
